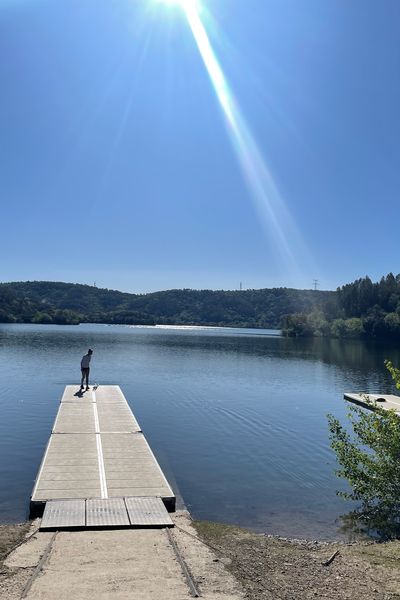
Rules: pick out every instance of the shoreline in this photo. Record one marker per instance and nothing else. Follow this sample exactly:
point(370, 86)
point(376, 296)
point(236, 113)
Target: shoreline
point(263, 565)
point(287, 569)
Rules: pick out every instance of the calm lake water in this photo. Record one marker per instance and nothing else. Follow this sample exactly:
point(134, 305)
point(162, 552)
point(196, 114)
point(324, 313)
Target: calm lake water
point(237, 418)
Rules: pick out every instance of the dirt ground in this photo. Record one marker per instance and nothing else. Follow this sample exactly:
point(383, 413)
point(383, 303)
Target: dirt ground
point(11, 536)
point(279, 569)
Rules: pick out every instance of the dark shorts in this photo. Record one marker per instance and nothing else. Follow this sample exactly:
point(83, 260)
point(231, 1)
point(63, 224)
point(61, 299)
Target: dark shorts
point(85, 371)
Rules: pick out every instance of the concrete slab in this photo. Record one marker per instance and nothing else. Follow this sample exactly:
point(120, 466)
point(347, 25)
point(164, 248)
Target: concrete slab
point(72, 393)
point(64, 494)
point(74, 418)
point(110, 394)
point(141, 473)
point(116, 418)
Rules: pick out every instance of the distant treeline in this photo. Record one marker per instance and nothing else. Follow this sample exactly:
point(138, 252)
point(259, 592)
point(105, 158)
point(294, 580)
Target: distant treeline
point(66, 303)
point(356, 310)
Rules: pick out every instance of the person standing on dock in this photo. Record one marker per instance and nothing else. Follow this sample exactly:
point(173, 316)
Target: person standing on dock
point(85, 368)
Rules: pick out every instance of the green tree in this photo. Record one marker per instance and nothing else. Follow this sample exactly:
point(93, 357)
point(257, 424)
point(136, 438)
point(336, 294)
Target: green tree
point(354, 328)
point(369, 458)
point(6, 317)
point(392, 324)
point(318, 323)
point(338, 328)
point(296, 325)
point(42, 318)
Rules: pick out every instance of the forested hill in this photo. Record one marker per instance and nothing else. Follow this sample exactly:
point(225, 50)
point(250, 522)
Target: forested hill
point(66, 303)
point(361, 309)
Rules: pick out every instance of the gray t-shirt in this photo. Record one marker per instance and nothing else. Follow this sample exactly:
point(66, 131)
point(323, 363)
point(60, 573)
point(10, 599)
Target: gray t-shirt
point(85, 362)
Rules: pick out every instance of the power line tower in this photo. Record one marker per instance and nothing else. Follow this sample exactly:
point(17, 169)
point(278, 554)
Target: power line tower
point(316, 284)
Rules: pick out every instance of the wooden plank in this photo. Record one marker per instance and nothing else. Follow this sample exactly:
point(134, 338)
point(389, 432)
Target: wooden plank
point(63, 514)
point(106, 513)
point(147, 512)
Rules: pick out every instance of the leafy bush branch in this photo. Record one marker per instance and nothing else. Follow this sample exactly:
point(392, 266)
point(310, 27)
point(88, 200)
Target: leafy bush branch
point(368, 454)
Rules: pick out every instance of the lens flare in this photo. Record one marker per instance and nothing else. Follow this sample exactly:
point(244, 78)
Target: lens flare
point(181, 3)
point(272, 210)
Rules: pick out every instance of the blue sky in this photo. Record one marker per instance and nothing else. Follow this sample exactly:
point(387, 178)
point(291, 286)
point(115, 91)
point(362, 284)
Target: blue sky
point(116, 163)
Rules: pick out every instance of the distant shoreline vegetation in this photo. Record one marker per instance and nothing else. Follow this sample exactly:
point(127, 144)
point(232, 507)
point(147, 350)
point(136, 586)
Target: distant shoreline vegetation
point(361, 309)
point(46, 302)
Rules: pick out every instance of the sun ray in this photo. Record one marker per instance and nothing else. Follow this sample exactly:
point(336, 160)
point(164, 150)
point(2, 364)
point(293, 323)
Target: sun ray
point(270, 205)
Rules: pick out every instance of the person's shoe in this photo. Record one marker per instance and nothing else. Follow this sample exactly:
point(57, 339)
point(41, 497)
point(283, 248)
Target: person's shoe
point(82, 388)
point(88, 388)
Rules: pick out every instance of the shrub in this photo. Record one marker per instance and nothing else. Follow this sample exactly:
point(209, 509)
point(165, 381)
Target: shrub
point(369, 458)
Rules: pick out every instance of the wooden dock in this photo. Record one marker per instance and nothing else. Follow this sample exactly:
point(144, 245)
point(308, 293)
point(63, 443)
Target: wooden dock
point(97, 454)
point(370, 401)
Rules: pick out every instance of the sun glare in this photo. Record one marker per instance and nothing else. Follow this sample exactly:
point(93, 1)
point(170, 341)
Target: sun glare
point(181, 3)
point(270, 205)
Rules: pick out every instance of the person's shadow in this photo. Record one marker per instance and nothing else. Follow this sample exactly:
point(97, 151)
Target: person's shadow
point(80, 393)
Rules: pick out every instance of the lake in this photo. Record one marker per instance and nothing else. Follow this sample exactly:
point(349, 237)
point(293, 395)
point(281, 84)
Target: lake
point(236, 417)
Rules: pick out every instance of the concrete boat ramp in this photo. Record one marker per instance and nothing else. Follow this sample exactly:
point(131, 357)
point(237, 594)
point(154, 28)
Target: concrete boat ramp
point(370, 401)
point(118, 564)
point(98, 469)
